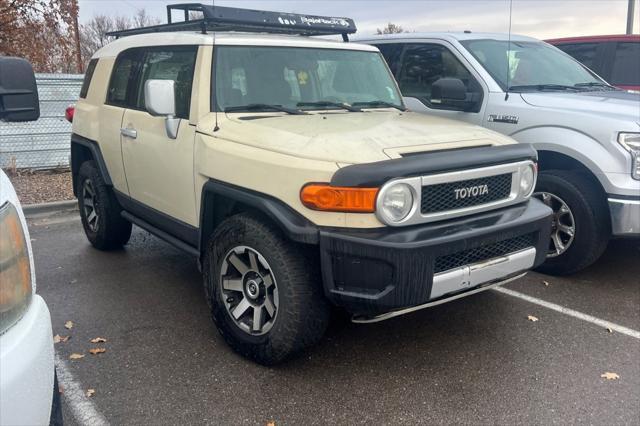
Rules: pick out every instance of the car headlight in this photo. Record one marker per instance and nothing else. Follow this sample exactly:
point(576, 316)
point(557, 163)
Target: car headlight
point(631, 142)
point(395, 202)
point(15, 268)
point(527, 180)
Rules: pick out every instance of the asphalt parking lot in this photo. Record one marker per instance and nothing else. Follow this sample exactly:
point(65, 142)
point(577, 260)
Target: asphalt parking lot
point(478, 360)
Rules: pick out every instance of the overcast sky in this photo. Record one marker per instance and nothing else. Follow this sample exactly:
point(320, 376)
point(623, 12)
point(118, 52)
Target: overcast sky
point(537, 18)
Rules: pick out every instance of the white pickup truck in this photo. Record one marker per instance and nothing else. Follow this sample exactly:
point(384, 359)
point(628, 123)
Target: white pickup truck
point(587, 132)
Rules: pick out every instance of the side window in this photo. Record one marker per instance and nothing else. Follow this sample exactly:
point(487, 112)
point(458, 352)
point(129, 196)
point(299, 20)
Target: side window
point(626, 65)
point(88, 75)
point(424, 64)
point(122, 85)
point(169, 63)
point(392, 53)
point(582, 52)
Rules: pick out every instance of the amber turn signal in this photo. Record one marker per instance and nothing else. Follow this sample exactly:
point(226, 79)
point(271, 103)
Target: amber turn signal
point(322, 196)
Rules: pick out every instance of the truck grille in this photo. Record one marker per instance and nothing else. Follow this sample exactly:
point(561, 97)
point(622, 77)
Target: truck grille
point(465, 193)
point(466, 257)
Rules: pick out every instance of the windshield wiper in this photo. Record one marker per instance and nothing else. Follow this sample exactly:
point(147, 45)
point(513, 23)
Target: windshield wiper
point(374, 104)
point(544, 87)
point(330, 104)
point(264, 107)
point(596, 84)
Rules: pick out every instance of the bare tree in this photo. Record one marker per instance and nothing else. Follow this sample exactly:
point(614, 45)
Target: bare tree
point(93, 34)
point(142, 19)
point(390, 29)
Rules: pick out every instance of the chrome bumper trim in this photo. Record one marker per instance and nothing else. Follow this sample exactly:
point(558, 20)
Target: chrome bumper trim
point(389, 315)
point(472, 275)
point(481, 275)
point(625, 217)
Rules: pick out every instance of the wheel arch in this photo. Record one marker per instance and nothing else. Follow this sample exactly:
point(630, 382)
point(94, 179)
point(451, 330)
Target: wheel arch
point(83, 149)
point(553, 160)
point(221, 200)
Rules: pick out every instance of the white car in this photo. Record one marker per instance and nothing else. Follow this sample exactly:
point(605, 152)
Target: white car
point(28, 388)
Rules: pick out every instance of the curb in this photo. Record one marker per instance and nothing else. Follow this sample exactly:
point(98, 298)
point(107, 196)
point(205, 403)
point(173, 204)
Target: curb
point(55, 206)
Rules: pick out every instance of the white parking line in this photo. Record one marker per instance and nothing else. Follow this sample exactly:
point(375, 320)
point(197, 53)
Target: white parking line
point(84, 411)
point(558, 308)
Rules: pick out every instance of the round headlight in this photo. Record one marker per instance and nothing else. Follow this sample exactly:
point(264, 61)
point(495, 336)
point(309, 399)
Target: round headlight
point(527, 180)
point(396, 202)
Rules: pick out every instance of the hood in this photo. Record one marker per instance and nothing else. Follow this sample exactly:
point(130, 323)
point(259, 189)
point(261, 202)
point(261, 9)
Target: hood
point(618, 105)
point(353, 137)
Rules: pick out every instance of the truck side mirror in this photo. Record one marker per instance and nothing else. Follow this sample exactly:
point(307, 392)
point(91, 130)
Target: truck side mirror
point(452, 93)
point(160, 100)
point(18, 90)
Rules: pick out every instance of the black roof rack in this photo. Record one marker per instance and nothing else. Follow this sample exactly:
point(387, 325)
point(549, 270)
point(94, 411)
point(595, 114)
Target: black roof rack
point(218, 18)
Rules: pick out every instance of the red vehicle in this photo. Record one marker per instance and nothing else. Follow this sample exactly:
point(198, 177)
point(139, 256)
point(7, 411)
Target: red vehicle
point(616, 58)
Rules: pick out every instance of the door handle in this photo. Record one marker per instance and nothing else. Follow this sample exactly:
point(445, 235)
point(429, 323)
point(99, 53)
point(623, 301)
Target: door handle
point(129, 133)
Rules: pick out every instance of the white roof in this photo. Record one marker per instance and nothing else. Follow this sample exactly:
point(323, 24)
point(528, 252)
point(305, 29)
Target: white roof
point(227, 38)
point(450, 36)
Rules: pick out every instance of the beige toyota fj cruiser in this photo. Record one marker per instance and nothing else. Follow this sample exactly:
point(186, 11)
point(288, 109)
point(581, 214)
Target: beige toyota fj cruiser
point(291, 169)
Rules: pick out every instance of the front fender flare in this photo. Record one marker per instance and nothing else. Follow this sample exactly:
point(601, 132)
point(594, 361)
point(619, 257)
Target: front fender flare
point(295, 226)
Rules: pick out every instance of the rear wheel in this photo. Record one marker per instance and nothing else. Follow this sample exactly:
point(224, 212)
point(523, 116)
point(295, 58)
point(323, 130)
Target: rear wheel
point(99, 210)
point(264, 291)
point(580, 226)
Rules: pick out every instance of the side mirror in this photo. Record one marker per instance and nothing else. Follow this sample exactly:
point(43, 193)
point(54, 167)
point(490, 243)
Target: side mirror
point(18, 90)
point(160, 100)
point(452, 93)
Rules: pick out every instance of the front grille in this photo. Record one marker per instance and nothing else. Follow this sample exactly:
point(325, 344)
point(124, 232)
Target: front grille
point(473, 192)
point(466, 257)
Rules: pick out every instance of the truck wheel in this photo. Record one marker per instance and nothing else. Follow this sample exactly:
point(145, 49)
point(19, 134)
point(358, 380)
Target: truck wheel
point(580, 229)
point(264, 291)
point(100, 211)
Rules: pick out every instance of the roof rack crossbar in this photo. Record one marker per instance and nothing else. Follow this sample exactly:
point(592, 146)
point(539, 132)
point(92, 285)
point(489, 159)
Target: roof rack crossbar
point(219, 18)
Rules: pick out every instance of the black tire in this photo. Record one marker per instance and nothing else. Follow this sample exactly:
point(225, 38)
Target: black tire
point(302, 312)
point(109, 231)
point(590, 214)
point(56, 405)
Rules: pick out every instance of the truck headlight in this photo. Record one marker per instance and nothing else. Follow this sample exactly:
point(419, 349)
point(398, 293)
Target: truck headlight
point(631, 142)
point(395, 202)
point(527, 180)
point(15, 268)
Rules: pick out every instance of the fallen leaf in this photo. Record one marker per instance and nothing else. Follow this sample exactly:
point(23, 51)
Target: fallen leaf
point(98, 340)
point(609, 330)
point(546, 283)
point(610, 376)
point(96, 351)
point(90, 392)
point(76, 356)
point(58, 338)
point(271, 423)
point(68, 325)
point(532, 318)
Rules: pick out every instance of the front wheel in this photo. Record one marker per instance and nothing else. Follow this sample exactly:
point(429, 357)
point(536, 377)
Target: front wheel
point(264, 291)
point(580, 227)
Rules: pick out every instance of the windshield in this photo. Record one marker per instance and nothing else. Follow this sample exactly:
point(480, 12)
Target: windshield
point(302, 79)
point(532, 65)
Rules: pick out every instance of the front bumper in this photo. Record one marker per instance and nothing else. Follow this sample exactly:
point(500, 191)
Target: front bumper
point(625, 216)
point(27, 368)
point(379, 270)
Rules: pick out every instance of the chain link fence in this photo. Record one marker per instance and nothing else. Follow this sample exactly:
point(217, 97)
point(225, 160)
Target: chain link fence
point(42, 144)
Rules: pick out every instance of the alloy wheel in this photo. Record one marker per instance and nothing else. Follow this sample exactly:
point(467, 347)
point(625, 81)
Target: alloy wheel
point(563, 225)
point(249, 290)
point(90, 203)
